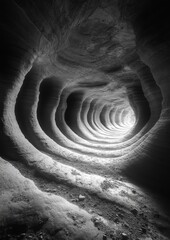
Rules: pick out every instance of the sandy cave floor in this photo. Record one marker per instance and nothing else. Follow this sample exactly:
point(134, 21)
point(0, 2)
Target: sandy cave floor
point(149, 220)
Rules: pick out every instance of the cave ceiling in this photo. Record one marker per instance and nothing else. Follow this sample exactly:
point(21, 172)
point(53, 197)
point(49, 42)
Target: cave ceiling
point(92, 53)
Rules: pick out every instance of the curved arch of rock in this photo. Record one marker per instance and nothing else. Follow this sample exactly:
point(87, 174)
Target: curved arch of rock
point(84, 100)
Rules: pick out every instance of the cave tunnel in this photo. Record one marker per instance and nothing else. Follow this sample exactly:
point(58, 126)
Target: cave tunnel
point(84, 120)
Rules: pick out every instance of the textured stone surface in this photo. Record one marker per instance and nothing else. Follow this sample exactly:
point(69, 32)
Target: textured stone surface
point(85, 103)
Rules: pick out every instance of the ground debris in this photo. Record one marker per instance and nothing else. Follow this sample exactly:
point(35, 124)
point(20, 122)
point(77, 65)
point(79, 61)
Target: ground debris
point(104, 237)
point(124, 236)
point(81, 197)
point(134, 211)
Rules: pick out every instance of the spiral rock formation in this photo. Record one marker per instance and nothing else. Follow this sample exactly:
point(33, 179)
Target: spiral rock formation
point(85, 105)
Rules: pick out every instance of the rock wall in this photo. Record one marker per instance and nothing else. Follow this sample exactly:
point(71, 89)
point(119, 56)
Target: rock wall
point(84, 96)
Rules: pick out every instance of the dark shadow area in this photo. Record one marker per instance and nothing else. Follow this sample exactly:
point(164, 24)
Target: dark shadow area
point(73, 107)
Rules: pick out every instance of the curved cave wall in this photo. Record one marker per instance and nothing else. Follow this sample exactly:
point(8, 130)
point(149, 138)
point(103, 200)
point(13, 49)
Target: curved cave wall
point(84, 99)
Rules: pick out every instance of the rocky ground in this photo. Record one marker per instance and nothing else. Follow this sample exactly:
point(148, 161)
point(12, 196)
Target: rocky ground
point(150, 220)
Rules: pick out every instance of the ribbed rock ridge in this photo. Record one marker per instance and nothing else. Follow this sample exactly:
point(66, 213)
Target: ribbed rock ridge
point(85, 105)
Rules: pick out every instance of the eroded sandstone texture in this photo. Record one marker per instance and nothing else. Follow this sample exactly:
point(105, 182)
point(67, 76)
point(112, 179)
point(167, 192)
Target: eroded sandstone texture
point(84, 119)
